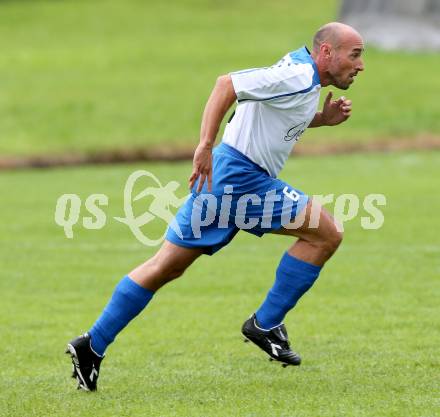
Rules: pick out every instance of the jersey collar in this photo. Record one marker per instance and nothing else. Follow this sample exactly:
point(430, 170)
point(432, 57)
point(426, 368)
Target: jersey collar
point(303, 56)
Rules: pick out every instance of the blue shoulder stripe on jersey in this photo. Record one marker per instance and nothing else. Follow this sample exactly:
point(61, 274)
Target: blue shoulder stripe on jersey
point(300, 56)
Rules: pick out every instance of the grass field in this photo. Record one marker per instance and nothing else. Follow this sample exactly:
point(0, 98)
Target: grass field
point(368, 331)
point(88, 75)
point(104, 74)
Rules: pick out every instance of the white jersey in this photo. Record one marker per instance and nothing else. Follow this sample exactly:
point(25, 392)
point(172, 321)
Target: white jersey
point(275, 106)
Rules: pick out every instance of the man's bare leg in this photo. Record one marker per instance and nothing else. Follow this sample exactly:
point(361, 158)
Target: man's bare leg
point(169, 263)
point(135, 291)
point(129, 298)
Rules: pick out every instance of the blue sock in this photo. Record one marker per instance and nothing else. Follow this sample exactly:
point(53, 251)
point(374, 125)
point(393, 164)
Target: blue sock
point(127, 301)
point(293, 278)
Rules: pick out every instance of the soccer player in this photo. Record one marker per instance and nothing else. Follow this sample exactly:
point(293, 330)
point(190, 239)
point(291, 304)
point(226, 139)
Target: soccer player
point(235, 186)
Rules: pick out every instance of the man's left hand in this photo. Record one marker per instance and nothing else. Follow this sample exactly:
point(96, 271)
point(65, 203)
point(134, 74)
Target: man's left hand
point(335, 111)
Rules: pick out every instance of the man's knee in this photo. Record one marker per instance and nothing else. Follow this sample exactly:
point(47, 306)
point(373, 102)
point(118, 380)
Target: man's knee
point(331, 241)
point(329, 233)
point(336, 239)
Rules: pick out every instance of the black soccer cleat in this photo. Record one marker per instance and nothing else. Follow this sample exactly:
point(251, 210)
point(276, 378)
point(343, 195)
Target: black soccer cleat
point(85, 362)
point(274, 342)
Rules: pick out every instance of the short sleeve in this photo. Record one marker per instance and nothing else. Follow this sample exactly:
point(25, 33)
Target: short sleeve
point(265, 84)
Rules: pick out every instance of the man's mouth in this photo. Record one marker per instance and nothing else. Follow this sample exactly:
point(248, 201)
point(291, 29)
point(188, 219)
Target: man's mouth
point(351, 76)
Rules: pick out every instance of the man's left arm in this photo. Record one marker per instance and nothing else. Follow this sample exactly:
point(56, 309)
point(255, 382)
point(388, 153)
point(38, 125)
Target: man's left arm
point(333, 112)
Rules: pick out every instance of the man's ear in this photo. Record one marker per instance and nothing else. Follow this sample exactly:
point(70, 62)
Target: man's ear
point(326, 50)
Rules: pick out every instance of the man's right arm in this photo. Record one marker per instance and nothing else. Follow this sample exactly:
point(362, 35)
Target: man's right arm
point(221, 99)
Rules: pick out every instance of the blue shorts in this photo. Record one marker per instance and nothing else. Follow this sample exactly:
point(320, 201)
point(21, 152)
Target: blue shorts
point(244, 197)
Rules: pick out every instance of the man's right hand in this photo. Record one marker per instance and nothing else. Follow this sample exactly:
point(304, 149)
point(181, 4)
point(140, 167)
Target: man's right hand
point(219, 102)
point(202, 168)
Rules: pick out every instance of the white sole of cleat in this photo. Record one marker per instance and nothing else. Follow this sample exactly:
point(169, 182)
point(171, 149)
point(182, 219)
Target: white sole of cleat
point(73, 371)
point(81, 382)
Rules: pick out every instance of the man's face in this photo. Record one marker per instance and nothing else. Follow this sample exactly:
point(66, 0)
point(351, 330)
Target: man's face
point(346, 62)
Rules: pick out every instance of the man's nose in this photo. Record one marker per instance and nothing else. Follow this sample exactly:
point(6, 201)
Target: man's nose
point(360, 66)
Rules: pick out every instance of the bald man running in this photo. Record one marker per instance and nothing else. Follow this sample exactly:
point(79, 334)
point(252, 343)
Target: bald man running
point(235, 187)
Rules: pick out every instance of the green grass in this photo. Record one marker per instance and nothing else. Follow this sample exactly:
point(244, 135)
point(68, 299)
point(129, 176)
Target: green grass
point(368, 330)
point(101, 74)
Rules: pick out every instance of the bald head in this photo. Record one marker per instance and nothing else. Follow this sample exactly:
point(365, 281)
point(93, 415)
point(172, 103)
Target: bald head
point(335, 34)
point(337, 50)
